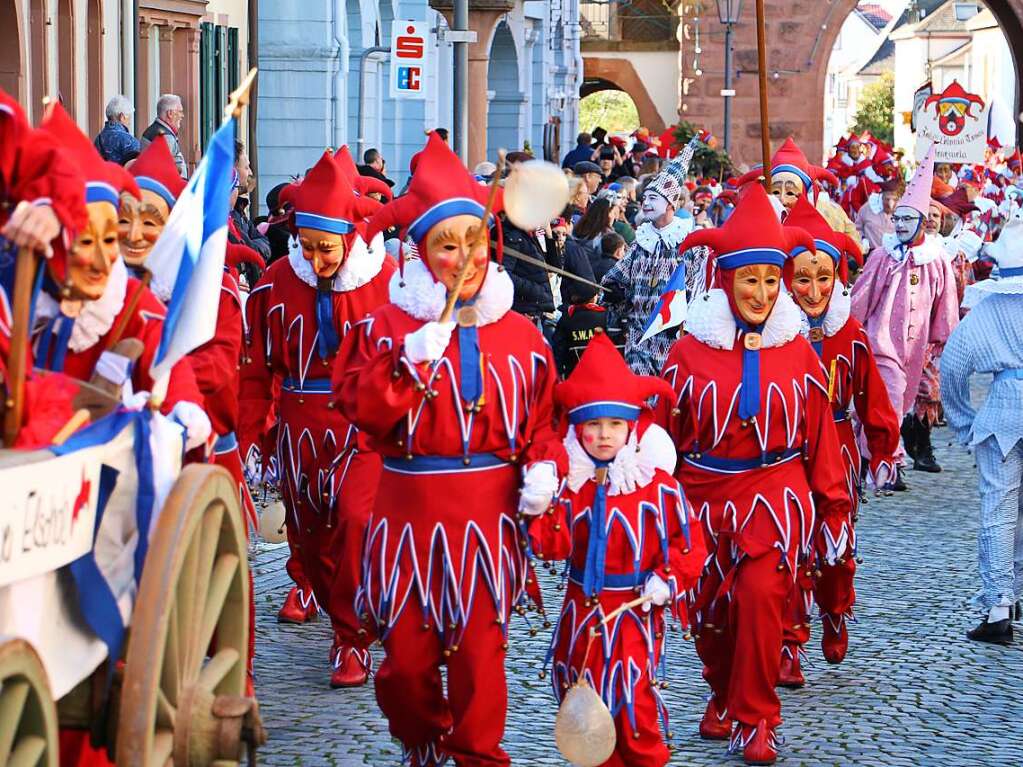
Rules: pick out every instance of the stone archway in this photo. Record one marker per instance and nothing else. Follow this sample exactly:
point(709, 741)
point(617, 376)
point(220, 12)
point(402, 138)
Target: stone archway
point(619, 74)
point(800, 34)
point(504, 96)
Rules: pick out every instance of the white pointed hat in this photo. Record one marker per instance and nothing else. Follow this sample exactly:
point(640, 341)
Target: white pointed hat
point(918, 191)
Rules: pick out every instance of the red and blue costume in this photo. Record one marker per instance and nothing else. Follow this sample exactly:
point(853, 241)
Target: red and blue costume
point(760, 464)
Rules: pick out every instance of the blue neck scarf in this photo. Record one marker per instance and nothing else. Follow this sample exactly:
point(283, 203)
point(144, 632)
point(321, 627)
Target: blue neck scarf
point(470, 384)
point(53, 341)
point(818, 322)
point(749, 394)
point(596, 548)
point(328, 341)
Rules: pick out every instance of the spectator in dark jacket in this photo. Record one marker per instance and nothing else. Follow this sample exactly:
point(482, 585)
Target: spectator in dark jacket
point(115, 142)
point(533, 296)
point(170, 112)
point(277, 233)
point(583, 151)
point(578, 261)
point(375, 166)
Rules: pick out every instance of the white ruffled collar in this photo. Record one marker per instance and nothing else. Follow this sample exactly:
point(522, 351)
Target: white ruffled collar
point(362, 264)
point(836, 315)
point(96, 317)
point(420, 296)
point(711, 321)
point(931, 249)
point(648, 235)
point(633, 467)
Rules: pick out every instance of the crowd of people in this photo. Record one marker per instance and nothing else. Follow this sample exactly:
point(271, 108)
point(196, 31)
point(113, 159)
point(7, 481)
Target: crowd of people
point(679, 388)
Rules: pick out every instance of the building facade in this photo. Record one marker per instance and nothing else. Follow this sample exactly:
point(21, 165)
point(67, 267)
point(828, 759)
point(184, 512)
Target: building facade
point(86, 51)
point(324, 80)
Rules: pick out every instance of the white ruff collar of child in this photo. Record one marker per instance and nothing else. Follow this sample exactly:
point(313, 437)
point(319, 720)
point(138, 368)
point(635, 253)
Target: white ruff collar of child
point(633, 467)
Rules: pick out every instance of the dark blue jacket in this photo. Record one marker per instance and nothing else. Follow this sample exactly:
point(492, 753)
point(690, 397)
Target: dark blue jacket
point(578, 154)
point(115, 143)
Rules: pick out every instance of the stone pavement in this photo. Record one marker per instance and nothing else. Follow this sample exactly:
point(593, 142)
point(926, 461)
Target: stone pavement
point(913, 690)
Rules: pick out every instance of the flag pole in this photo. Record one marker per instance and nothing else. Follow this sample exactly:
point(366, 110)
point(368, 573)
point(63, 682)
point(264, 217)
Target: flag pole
point(765, 136)
point(14, 396)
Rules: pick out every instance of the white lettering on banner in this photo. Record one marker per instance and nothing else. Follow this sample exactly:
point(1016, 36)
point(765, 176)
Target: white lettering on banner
point(48, 515)
point(408, 59)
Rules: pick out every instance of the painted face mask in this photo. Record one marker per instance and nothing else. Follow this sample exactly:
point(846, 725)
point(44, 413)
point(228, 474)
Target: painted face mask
point(908, 223)
point(326, 251)
point(787, 187)
point(93, 253)
point(813, 282)
point(447, 242)
point(654, 206)
point(140, 224)
point(755, 290)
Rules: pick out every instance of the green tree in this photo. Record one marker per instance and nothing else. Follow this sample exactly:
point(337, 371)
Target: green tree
point(876, 110)
point(614, 111)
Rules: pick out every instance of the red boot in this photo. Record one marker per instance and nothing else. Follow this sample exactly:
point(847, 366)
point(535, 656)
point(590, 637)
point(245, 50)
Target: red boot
point(835, 639)
point(715, 724)
point(299, 607)
point(758, 744)
point(790, 675)
point(351, 666)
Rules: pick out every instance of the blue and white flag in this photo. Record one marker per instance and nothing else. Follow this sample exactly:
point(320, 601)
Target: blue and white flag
point(187, 261)
point(671, 309)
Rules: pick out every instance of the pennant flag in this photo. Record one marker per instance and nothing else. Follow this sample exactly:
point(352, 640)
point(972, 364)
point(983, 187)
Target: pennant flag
point(187, 261)
point(672, 308)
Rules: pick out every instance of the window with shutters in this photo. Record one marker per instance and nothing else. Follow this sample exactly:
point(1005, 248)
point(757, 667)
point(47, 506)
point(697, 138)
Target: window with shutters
point(218, 75)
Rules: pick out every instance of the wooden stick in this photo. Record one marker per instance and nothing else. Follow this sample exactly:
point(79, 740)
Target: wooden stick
point(18, 355)
point(78, 420)
point(484, 235)
point(627, 606)
point(129, 310)
point(765, 136)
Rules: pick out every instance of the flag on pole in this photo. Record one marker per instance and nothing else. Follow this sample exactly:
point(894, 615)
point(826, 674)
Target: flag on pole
point(187, 261)
point(671, 309)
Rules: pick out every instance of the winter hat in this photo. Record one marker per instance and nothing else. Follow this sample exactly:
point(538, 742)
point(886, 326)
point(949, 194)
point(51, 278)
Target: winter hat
point(840, 246)
point(603, 386)
point(104, 181)
point(790, 159)
point(325, 200)
point(154, 170)
point(918, 191)
point(441, 188)
point(670, 181)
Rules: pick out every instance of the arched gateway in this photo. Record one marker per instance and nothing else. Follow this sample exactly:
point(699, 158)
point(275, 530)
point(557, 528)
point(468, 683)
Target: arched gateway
point(800, 34)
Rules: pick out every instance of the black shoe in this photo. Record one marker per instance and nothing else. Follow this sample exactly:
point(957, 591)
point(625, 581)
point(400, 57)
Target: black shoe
point(1017, 611)
point(908, 432)
point(999, 632)
point(925, 462)
point(899, 485)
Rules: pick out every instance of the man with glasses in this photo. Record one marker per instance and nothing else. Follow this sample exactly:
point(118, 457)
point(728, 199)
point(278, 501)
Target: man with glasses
point(170, 113)
point(906, 298)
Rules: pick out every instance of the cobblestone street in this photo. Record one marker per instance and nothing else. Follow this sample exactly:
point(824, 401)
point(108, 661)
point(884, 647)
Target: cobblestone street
point(913, 690)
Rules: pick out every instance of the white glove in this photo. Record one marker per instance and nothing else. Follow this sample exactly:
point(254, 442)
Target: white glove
point(429, 342)
point(114, 367)
point(538, 489)
point(658, 591)
point(196, 422)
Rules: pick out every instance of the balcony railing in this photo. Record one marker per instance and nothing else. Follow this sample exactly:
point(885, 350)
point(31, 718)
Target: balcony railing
point(626, 20)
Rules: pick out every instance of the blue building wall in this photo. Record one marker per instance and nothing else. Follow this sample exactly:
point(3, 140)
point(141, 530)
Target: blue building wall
point(310, 58)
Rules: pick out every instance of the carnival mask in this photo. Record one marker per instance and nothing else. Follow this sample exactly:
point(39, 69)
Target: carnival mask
point(787, 187)
point(654, 207)
point(93, 253)
point(908, 223)
point(140, 224)
point(813, 282)
point(755, 291)
point(888, 200)
point(324, 250)
point(447, 244)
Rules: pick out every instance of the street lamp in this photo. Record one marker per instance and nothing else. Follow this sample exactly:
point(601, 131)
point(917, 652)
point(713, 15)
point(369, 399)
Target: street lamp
point(728, 13)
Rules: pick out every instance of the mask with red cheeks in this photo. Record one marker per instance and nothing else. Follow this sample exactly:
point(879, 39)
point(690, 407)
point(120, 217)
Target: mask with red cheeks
point(787, 187)
point(325, 251)
point(93, 253)
point(445, 248)
point(813, 282)
point(752, 290)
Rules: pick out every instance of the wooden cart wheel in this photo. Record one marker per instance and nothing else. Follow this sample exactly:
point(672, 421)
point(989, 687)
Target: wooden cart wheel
point(184, 678)
point(28, 715)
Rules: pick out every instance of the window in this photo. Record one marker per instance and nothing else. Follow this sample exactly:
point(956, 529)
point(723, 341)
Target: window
point(218, 75)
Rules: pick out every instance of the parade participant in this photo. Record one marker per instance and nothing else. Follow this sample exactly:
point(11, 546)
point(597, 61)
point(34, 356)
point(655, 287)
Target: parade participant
point(635, 284)
point(142, 220)
point(761, 464)
point(619, 481)
point(874, 219)
point(989, 340)
point(462, 413)
point(98, 324)
point(906, 298)
point(818, 284)
point(298, 314)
